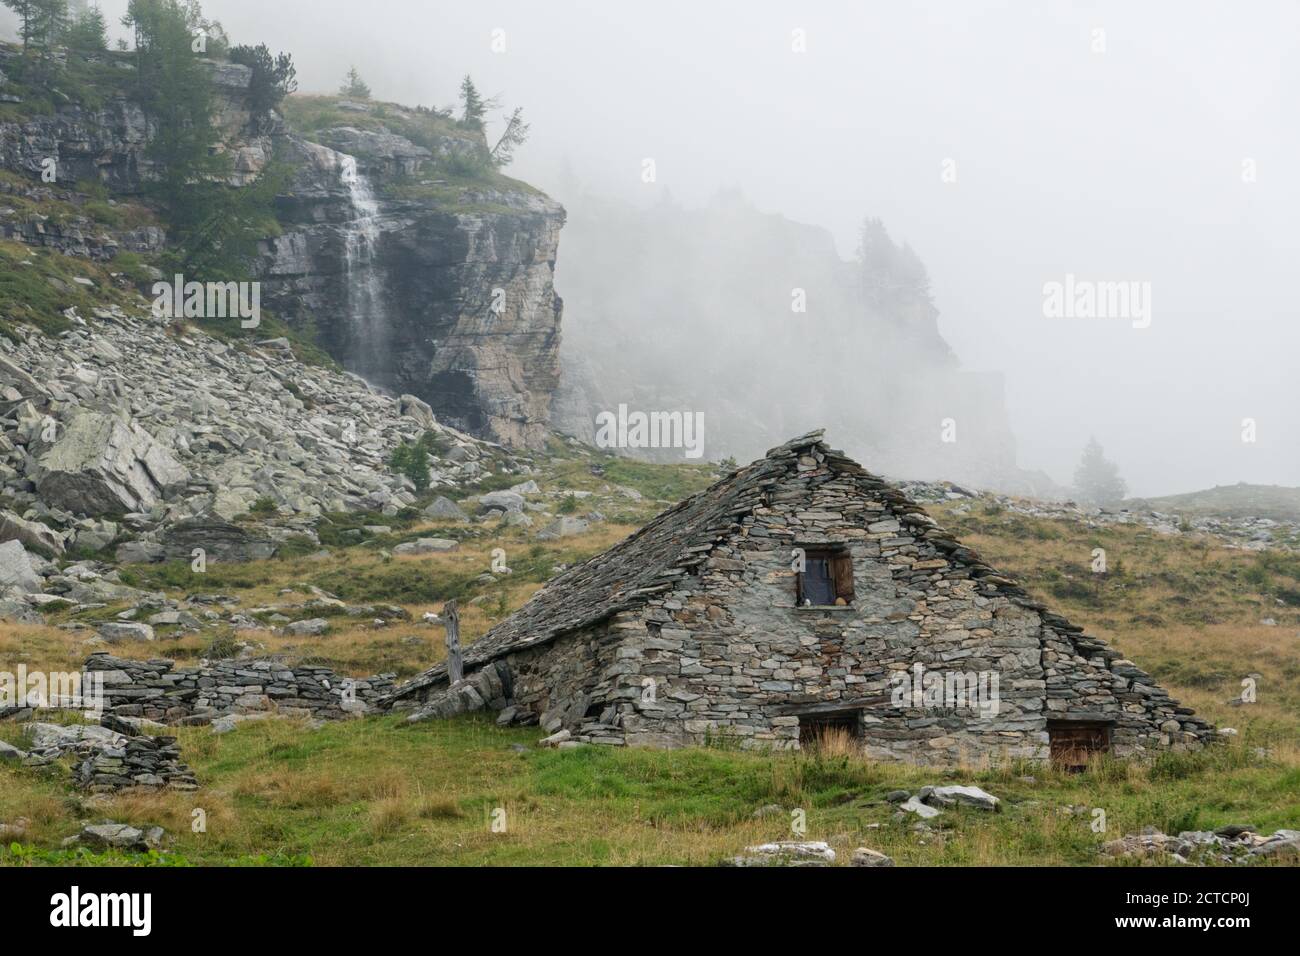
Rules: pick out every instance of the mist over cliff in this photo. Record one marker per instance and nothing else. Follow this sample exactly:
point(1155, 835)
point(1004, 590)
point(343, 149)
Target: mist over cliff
point(762, 325)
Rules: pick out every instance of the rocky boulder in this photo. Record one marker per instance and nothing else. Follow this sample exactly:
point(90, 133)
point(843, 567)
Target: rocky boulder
point(951, 796)
point(104, 465)
point(426, 546)
point(219, 539)
point(785, 853)
point(19, 612)
point(501, 500)
point(411, 407)
point(865, 856)
point(118, 632)
point(445, 509)
point(16, 569)
point(11, 753)
point(563, 527)
point(140, 552)
point(32, 534)
point(117, 836)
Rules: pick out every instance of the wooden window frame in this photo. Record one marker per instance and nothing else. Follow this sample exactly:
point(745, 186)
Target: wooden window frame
point(840, 565)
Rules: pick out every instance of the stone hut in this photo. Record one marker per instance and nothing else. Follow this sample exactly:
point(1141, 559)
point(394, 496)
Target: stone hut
point(798, 596)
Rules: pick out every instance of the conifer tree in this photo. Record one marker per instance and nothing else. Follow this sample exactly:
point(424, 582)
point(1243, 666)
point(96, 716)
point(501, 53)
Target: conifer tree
point(1097, 479)
point(354, 87)
point(473, 106)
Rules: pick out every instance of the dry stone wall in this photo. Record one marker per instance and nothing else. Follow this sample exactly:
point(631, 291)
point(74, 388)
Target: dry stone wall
point(157, 690)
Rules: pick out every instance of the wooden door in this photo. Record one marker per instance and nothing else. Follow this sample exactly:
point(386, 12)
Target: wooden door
point(1073, 744)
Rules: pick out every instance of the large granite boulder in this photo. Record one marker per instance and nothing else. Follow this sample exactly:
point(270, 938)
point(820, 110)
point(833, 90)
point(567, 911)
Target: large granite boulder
point(503, 500)
point(16, 569)
point(412, 407)
point(104, 465)
point(220, 540)
point(32, 534)
point(445, 509)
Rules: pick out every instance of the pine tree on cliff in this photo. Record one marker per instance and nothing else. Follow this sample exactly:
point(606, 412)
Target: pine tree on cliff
point(174, 86)
point(1097, 479)
point(892, 276)
point(274, 77)
point(473, 106)
point(213, 226)
point(23, 10)
point(43, 21)
point(354, 87)
point(88, 32)
point(515, 135)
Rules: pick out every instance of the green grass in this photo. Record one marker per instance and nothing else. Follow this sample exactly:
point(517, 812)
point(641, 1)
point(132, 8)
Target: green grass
point(37, 285)
point(85, 200)
point(89, 82)
point(377, 792)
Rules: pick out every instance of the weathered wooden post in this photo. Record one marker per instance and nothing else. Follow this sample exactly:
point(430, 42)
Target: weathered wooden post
point(455, 662)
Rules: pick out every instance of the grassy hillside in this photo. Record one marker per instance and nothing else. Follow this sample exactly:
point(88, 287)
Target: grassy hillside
point(1230, 501)
point(377, 791)
point(37, 286)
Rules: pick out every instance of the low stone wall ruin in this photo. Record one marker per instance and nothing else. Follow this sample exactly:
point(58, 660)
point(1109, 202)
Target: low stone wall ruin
point(158, 690)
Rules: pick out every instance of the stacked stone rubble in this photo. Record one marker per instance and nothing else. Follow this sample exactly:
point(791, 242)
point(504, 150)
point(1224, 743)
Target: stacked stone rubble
point(117, 754)
point(146, 762)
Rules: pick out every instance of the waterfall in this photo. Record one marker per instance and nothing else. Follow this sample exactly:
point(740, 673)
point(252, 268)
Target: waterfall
point(367, 317)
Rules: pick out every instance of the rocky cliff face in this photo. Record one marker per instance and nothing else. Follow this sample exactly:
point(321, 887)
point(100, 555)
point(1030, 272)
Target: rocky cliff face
point(437, 287)
point(452, 301)
point(109, 145)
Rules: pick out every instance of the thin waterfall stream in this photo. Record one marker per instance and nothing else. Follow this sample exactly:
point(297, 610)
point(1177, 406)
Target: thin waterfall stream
point(365, 288)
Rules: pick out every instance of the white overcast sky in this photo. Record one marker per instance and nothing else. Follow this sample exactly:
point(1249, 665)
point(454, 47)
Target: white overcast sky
point(1122, 165)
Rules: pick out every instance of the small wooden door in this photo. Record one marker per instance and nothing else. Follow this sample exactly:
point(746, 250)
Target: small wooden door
point(1073, 743)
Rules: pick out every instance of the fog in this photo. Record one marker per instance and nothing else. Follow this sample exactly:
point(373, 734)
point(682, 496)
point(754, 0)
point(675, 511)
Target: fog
point(1131, 163)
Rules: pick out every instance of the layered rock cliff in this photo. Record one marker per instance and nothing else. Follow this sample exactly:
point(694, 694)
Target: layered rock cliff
point(423, 284)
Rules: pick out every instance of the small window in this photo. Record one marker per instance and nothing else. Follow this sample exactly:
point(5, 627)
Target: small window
point(1074, 743)
point(829, 730)
point(827, 578)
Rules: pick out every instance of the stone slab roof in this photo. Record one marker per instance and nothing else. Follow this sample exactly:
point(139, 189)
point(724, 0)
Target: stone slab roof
point(646, 563)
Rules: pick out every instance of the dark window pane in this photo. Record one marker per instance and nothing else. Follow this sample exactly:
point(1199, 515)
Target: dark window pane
point(818, 586)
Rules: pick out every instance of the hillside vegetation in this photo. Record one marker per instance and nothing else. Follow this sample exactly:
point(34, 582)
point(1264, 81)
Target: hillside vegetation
point(375, 791)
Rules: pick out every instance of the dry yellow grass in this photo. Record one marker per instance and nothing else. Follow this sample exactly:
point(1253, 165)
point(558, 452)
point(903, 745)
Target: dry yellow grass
point(353, 646)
